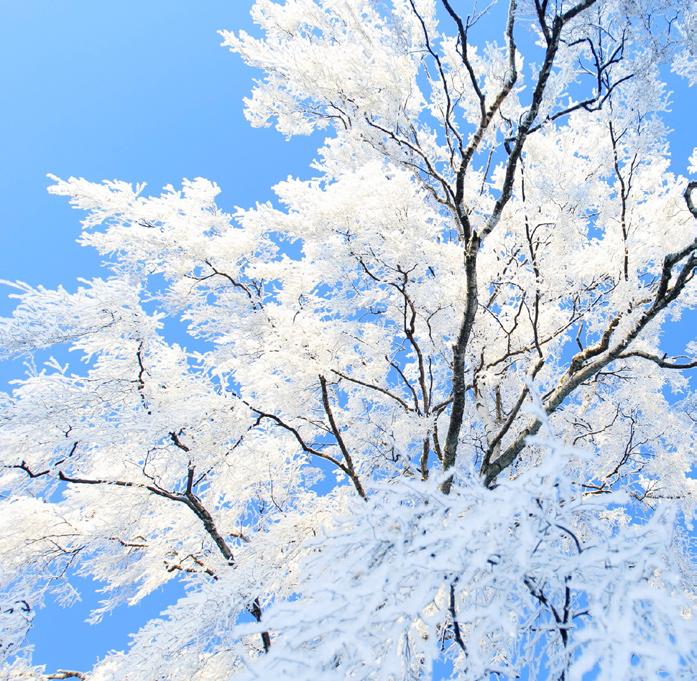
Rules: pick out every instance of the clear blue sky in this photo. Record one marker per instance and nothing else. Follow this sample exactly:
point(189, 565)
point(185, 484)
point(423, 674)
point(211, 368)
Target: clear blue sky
point(137, 90)
point(129, 89)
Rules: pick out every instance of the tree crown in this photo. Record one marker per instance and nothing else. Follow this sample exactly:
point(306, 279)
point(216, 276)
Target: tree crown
point(422, 415)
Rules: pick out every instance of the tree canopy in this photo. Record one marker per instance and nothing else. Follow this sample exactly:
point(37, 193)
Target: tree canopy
point(415, 418)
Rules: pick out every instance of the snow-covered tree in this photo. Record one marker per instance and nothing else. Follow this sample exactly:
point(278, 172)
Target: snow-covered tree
point(423, 422)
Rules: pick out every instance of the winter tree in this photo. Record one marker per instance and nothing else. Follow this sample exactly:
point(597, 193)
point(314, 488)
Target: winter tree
point(424, 424)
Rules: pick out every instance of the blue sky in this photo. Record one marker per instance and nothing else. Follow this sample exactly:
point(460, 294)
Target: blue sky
point(137, 90)
point(134, 90)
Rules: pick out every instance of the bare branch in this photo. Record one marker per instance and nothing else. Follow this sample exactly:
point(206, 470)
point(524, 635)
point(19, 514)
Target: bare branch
point(377, 388)
point(350, 470)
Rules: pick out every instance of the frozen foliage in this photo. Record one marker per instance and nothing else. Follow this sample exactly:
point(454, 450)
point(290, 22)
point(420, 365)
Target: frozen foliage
point(418, 416)
point(521, 578)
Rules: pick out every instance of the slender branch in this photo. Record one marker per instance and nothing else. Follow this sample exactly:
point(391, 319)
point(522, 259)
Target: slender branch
point(350, 470)
point(377, 388)
point(462, 31)
point(661, 361)
point(456, 625)
point(296, 434)
point(190, 500)
point(529, 118)
point(406, 382)
point(446, 91)
point(506, 426)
